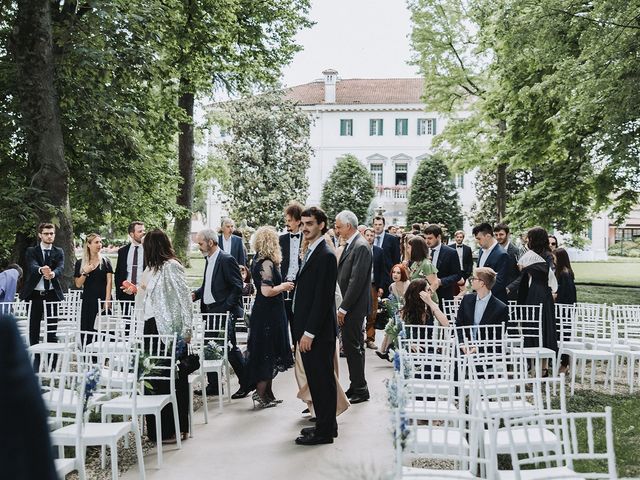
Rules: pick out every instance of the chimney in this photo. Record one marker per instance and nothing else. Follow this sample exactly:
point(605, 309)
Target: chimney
point(330, 80)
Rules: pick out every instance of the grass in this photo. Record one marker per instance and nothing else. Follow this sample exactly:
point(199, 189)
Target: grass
point(616, 272)
point(609, 295)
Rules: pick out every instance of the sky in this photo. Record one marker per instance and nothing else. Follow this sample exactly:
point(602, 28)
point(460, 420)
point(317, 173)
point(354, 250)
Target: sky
point(358, 38)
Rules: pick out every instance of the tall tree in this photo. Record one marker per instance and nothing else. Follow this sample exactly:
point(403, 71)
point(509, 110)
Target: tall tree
point(349, 187)
point(433, 197)
point(267, 155)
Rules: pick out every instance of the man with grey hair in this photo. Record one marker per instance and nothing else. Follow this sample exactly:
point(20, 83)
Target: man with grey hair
point(354, 280)
point(231, 243)
point(221, 292)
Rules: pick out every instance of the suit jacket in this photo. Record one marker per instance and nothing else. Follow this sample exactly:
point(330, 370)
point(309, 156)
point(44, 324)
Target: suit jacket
point(448, 272)
point(237, 249)
point(496, 313)
point(500, 262)
point(391, 249)
point(514, 273)
point(33, 261)
point(120, 275)
point(378, 269)
point(315, 305)
point(354, 277)
point(467, 259)
point(285, 247)
point(226, 285)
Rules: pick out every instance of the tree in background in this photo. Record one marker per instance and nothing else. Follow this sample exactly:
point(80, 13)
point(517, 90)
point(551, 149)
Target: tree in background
point(433, 197)
point(349, 187)
point(267, 155)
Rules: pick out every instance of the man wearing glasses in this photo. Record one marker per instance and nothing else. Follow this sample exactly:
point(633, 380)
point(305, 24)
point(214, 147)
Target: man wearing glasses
point(44, 267)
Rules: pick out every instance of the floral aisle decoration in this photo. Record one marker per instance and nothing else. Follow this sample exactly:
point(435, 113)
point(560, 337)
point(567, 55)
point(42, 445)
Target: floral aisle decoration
point(397, 402)
point(91, 382)
point(146, 367)
point(213, 351)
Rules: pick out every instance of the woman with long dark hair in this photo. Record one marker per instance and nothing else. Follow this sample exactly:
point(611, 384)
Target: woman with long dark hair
point(419, 306)
point(420, 265)
point(164, 299)
point(566, 279)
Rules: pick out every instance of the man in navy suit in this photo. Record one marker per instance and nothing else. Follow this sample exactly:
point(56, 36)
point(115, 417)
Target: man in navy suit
point(221, 292)
point(465, 256)
point(446, 260)
point(501, 232)
point(481, 307)
point(290, 245)
point(390, 245)
point(231, 243)
point(494, 256)
point(44, 266)
point(130, 261)
point(377, 289)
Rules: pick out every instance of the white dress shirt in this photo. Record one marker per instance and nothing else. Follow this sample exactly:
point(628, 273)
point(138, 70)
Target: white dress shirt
point(294, 255)
point(485, 254)
point(379, 239)
point(478, 312)
point(140, 262)
point(435, 253)
point(226, 244)
point(460, 252)
point(207, 295)
point(40, 285)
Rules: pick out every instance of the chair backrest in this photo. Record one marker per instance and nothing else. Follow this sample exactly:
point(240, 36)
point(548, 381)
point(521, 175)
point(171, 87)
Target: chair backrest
point(428, 351)
point(160, 351)
point(450, 309)
point(61, 321)
point(247, 303)
point(594, 325)
point(20, 311)
point(565, 322)
point(119, 319)
point(215, 327)
point(525, 321)
point(627, 321)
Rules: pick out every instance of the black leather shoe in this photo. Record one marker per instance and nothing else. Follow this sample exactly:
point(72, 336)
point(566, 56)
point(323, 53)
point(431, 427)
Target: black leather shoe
point(240, 394)
point(312, 439)
point(384, 356)
point(306, 410)
point(306, 431)
point(348, 392)
point(358, 398)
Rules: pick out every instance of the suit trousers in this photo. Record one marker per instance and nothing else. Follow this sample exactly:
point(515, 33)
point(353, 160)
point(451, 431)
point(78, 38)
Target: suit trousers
point(318, 365)
point(353, 345)
point(371, 319)
point(236, 358)
point(288, 308)
point(37, 314)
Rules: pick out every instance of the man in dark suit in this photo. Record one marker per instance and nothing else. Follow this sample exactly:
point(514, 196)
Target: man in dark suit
point(231, 243)
point(466, 259)
point(354, 279)
point(390, 245)
point(290, 245)
point(481, 307)
point(494, 256)
point(314, 326)
point(221, 292)
point(130, 261)
point(501, 232)
point(44, 266)
point(377, 289)
point(446, 260)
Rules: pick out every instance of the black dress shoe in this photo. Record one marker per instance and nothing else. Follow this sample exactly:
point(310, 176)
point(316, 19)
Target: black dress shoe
point(240, 394)
point(312, 439)
point(348, 392)
point(312, 419)
point(306, 410)
point(384, 356)
point(312, 430)
point(358, 398)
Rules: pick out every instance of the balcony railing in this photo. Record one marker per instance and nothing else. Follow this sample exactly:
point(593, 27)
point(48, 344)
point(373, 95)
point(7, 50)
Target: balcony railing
point(392, 191)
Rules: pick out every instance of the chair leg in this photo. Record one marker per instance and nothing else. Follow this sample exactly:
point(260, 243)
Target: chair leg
point(176, 422)
point(126, 437)
point(612, 364)
point(574, 363)
point(205, 404)
point(80, 459)
point(220, 394)
point(139, 453)
point(594, 364)
point(228, 377)
point(159, 438)
point(114, 460)
point(191, 411)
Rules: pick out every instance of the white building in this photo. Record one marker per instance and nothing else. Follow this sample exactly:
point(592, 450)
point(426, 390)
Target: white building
point(383, 123)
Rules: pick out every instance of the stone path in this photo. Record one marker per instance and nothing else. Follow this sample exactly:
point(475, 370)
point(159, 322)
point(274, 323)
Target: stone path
point(242, 443)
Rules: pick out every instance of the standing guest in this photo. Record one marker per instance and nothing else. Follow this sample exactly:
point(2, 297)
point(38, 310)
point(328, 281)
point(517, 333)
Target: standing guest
point(390, 245)
point(501, 232)
point(290, 245)
point(397, 289)
point(354, 278)
point(130, 264)
point(230, 243)
point(221, 292)
point(44, 267)
point(553, 243)
point(565, 277)
point(163, 298)
point(493, 256)
point(392, 230)
point(377, 287)
point(416, 228)
point(9, 282)
point(314, 326)
point(466, 259)
point(268, 347)
point(248, 289)
point(538, 284)
point(446, 261)
point(94, 275)
point(421, 266)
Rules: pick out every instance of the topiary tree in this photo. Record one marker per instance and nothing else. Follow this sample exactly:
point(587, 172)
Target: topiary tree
point(349, 187)
point(433, 197)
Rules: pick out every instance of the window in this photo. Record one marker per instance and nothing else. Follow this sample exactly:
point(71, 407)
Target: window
point(401, 174)
point(375, 127)
point(376, 173)
point(426, 126)
point(402, 126)
point(458, 180)
point(346, 127)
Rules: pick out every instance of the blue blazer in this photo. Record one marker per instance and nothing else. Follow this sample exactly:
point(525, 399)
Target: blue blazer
point(500, 262)
point(391, 250)
point(448, 272)
point(237, 249)
point(495, 313)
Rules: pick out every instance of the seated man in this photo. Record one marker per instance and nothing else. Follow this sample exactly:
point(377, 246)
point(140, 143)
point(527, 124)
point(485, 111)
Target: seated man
point(481, 308)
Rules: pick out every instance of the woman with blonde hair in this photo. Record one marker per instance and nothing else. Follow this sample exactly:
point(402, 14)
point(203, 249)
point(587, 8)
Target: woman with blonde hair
point(268, 346)
point(94, 275)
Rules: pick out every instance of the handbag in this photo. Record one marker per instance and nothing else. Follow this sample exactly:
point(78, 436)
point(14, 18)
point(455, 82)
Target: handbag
point(188, 364)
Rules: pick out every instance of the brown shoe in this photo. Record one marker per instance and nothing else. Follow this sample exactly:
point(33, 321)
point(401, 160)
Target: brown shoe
point(372, 345)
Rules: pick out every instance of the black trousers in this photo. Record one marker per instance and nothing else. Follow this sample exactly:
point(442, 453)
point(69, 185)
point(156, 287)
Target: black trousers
point(37, 314)
point(353, 346)
point(318, 366)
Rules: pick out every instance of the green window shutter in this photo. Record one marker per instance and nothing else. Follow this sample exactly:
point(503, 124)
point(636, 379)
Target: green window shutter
point(381, 129)
point(398, 126)
point(405, 126)
point(343, 126)
point(433, 126)
point(372, 127)
point(418, 123)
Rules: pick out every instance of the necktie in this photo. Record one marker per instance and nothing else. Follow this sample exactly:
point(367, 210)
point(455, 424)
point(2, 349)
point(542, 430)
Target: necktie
point(378, 240)
point(47, 257)
point(306, 257)
point(304, 260)
point(294, 235)
point(134, 266)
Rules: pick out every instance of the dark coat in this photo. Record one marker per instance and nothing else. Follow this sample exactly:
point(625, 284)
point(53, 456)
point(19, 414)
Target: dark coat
point(226, 285)
point(500, 262)
point(354, 278)
point(449, 272)
point(514, 273)
point(566, 288)
point(237, 249)
point(120, 275)
point(378, 268)
point(285, 247)
point(391, 250)
point(496, 313)
point(34, 259)
point(537, 293)
point(467, 259)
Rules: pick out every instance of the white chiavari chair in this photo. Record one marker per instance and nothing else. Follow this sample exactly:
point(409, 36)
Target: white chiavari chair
point(525, 322)
point(215, 330)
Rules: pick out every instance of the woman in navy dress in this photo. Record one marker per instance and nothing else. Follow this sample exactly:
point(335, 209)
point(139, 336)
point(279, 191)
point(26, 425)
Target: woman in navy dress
point(268, 346)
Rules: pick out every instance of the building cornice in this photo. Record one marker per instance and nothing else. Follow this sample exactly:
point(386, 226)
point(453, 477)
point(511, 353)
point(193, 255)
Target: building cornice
point(415, 107)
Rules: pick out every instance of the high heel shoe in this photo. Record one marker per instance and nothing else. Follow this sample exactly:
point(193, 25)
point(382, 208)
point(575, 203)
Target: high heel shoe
point(384, 356)
point(260, 402)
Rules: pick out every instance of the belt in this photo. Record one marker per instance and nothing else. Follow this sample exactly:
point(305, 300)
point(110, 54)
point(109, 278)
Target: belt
point(44, 292)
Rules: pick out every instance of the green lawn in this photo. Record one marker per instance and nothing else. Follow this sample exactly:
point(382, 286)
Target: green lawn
point(609, 295)
point(616, 272)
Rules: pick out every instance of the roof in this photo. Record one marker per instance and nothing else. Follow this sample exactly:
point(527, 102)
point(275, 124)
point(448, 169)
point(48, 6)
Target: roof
point(361, 91)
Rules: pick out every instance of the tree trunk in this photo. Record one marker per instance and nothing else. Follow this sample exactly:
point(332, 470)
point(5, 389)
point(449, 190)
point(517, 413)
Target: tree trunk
point(32, 42)
point(182, 228)
point(501, 191)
